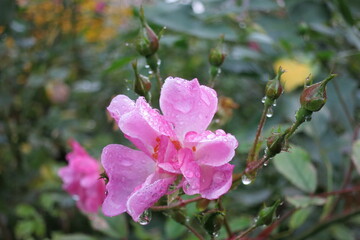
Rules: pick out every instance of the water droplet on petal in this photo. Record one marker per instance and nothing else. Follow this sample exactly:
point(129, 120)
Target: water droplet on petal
point(263, 99)
point(127, 162)
point(218, 177)
point(145, 217)
point(269, 112)
point(106, 192)
point(245, 180)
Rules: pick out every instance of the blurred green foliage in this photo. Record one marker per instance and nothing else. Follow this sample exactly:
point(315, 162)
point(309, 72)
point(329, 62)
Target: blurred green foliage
point(61, 63)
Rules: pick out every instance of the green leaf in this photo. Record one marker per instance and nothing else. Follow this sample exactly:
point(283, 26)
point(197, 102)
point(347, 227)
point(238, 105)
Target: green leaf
point(295, 165)
point(305, 201)
point(356, 155)
point(299, 217)
point(118, 64)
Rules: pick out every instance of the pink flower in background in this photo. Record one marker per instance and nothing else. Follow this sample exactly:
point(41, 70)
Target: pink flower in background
point(173, 144)
point(81, 179)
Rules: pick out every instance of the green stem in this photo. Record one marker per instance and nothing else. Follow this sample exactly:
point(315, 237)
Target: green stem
point(246, 232)
point(193, 230)
point(226, 223)
point(176, 205)
point(252, 152)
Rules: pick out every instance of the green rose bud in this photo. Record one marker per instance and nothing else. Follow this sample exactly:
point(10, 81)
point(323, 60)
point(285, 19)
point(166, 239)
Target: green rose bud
point(273, 88)
point(147, 43)
point(313, 97)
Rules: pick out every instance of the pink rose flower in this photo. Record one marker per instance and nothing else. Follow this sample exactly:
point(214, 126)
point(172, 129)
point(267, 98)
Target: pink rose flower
point(173, 144)
point(81, 179)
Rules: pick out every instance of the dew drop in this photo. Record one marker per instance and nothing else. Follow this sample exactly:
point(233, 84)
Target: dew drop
point(266, 163)
point(127, 44)
point(270, 112)
point(75, 197)
point(215, 234)
point(308, 118)
point(147, 66)
point(245, 180)
point(145, 217)
point(127, 89)
point(198, 7)
point(263, 99)
point(274, 103)
point(158, 62)
point(150, 72)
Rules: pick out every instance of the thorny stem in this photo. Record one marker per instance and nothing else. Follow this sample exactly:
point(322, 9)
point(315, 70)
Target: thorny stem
point(258, 133)
point(175, 205)
point(226, 223)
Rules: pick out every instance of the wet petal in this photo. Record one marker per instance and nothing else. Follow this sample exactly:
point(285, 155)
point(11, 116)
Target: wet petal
point(213, 149)
point(126, 169)
point(167, 155)
point(215, 181)
point(155, 186)
point(144, 125)
point(189, 106)
point(191, 172)
point(120, 105)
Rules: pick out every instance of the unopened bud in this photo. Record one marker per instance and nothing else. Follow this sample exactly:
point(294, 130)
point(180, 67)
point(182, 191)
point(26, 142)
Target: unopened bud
point(313, 97)
point(217, 55)
point(273, 88)
point(267, 214)
point(147, 43)
point(213, 222)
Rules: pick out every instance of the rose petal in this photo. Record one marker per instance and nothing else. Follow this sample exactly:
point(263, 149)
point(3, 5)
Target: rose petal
point(191, 171)
point(120, 105)
point(213, 149)
point(167, 156)
point(215, 181)
point(189, 106)
point(155, 186)
point(126, 169)
point(144, 125)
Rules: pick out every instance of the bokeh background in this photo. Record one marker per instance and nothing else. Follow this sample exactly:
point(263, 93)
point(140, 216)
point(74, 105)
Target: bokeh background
point(61, 62)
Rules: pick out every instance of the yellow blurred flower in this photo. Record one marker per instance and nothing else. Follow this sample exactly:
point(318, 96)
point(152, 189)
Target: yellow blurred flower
point(296, 73)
